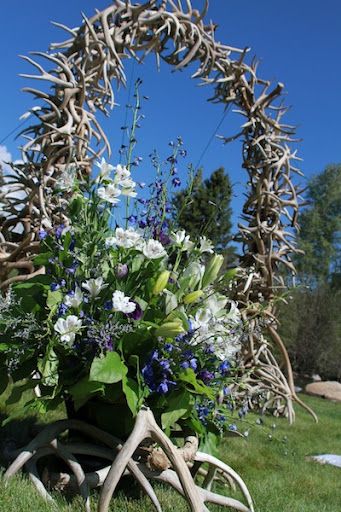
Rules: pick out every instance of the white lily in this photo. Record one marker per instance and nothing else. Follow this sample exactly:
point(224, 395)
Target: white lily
point(94, 286)
point(182, 240)
point(110, 193)
point(122, 303)
point(68, 328)
point(205, 245)
point(105, 169)
point(178, 237)
point(153, 249)
point(74, 300)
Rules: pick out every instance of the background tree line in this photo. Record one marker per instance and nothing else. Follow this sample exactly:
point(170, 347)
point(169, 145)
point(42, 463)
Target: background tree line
point(310, 323)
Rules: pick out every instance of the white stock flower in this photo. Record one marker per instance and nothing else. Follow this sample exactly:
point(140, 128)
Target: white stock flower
point(205, 245)
point(94, 286)
point(127, 238)
point(68, 328)
point(74, 300)
point(153, 249)
point(105, 169)
point(110, 193)
point(216, 303)
point(121, 302)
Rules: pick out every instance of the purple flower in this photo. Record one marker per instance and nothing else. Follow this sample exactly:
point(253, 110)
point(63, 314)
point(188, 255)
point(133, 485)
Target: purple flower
point(233, 427)
point(206, 376)
point(164, 238)
point(209, 349)
point(108, 305)
point(163, 387)
point(54, 287)
point(121, 271)
point(59, 230)
point(184, 365)
point(176, 182)
point(132, 219)
point(224, 368)
point(169, 347)
point(164, 364)
point(71, 270)
point(42, 234)
point(137, 314)
point(142, 224)
point(72, 245)
point(193, 363)
point(62, 309)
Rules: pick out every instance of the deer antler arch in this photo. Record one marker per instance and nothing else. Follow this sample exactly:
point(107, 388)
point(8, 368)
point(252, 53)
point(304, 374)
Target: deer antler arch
point(83, 69)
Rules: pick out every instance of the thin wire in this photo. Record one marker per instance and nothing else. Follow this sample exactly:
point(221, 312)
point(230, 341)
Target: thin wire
point(209, 142)
point(13, 131)
point(127, 107)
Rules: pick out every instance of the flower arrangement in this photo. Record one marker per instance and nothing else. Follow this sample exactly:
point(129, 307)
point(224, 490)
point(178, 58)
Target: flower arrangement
point(125, 315)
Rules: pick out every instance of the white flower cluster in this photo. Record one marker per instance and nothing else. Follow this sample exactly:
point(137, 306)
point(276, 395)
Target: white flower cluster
point(132, 239)
point(68, 327)
point(219, 329)
point(121, 184)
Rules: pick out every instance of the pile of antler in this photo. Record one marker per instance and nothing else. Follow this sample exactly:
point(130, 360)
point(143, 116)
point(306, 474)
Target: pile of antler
point(181, 468)
point(81, 74)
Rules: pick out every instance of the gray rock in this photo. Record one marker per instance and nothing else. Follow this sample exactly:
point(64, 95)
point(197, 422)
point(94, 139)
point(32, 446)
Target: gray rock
point(328, 458)
point(329, 389)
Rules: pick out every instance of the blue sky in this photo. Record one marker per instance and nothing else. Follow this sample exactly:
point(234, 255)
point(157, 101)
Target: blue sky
point(297, 42)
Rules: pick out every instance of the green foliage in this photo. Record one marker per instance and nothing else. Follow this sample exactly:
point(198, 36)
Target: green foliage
point(320, 226)
point(310, 325)
point(204, 208)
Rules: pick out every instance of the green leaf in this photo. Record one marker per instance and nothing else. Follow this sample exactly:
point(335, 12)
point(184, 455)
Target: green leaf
point(178, 405)
point(137, 263)
point(41, 281)
point(48, 367)
point(142, 303)
point(210, 444)
point(18, 390)
point(171, 301)
point(43, 258)
point(188, 376)
point(230, 274)
point(131, 391)
point(108, 369)
point(54, 299)
point(83, 391)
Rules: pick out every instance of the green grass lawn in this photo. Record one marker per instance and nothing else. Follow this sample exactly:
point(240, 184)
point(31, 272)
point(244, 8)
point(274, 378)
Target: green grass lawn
point(272, 461)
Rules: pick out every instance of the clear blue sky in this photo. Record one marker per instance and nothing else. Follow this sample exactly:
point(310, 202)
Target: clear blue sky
point(298, 43)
